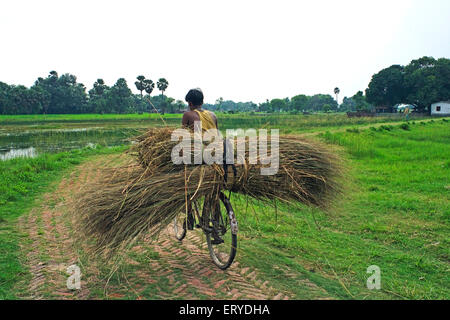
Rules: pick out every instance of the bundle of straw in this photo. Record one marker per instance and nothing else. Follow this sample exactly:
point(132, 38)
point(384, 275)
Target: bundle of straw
point(143, 198)
point(308, 172)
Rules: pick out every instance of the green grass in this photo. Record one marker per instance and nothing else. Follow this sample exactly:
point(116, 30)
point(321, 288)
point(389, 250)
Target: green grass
point(291, 124)
point(21, 182)
point(81, 117)
point(287, 123)
point(396, 216)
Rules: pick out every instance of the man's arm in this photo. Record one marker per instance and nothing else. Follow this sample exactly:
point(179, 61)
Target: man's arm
point(185, 120)
point(188, 120)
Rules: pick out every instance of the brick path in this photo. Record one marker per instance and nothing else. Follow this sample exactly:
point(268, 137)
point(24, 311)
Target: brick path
point(162, 269)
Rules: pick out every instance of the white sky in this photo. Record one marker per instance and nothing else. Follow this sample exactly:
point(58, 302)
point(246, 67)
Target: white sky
point(239, 50)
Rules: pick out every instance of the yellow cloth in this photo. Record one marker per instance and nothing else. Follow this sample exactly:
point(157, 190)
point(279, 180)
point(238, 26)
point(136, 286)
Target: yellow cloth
point(207, 120)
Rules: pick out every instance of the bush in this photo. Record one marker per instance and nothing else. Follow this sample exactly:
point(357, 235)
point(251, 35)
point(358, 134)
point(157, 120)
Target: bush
point(405, 126)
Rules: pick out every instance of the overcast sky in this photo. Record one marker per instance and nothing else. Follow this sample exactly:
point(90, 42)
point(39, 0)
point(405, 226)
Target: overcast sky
point(239, 50)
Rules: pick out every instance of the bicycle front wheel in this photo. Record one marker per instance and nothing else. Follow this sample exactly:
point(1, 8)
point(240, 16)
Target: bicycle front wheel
point(223, 225)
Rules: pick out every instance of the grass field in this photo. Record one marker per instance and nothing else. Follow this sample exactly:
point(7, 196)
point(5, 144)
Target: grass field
point(21, 182)
point(395, 213)
point(396, 216)
point(287, 123)
point(81, 117)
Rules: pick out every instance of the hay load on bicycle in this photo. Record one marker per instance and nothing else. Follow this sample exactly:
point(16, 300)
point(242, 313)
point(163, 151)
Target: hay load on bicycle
point(174, 177)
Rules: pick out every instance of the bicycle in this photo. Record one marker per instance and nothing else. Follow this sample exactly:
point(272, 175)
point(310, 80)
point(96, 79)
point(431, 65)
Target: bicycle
point(218, 222)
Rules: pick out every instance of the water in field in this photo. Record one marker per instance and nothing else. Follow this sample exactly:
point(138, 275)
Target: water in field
point(30, 136)
point(29, 142)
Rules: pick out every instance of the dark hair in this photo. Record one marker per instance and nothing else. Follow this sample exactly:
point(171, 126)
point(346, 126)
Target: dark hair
point(195, 96)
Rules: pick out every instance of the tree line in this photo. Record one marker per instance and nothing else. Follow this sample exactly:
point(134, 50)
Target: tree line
point(301, 103)
point(421, 83)
point(297, 104)
point(62, 94)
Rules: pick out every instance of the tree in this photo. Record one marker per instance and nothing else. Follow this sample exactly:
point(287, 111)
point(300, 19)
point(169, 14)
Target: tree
point(63, 94)
point(22, 100)
point(53, 76)
point(427, 81)
point(99, 87)
point(162, 85)
point(40, 99)
point(146, 85)
point(180, 105)
point(3, 101)
point(170, 104)
point(149, 85)
point(97, 100)
point(119, 97)
point(299, 102)
point(348, 104)
point(278, 105)
point(66, 94)
point(360, 102)
point(336, 92)
point(140, 85)
point(264, 106)
point(158, 102)
point(219, 103)
point(316, 102)
point(422, 82)
point(387, 87)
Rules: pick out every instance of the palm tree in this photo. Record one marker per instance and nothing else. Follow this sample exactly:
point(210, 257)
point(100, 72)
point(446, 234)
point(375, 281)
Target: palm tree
point(162, 85)
point(149, 85)
point(53, 73)
point(140, 84)
point(336, 92)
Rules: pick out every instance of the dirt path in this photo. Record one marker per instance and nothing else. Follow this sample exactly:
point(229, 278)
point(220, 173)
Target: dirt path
point(165, 269)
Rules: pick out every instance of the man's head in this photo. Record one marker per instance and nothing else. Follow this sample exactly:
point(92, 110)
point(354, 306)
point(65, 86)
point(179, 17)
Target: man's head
point(194, 98)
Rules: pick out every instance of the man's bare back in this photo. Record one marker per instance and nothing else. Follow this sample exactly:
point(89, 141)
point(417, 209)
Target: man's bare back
point(189, 117)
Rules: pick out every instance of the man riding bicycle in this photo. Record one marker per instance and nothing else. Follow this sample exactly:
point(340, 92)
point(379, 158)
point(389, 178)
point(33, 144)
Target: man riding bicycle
point(208, 121)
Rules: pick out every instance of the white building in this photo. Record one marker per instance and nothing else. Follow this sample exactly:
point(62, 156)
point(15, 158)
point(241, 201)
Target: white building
point(440, 108)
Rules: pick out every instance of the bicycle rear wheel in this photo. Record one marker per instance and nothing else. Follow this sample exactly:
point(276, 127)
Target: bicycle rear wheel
point(223, 223)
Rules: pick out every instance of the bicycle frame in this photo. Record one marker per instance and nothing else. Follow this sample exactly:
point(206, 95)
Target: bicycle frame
point(213, 224)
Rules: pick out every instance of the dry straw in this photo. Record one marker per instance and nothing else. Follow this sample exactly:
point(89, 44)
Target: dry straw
point(142, 198)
